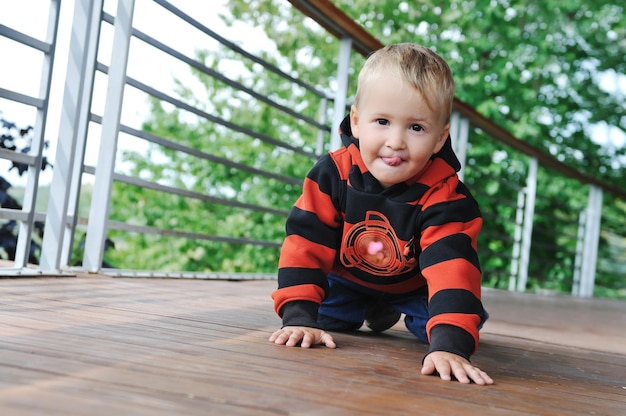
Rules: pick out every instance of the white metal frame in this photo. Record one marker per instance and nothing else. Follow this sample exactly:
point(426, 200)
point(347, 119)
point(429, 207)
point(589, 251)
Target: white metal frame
point(593, 219)
point(101, 200)
point(343, 75)
point(61, 215)
point(27, 220)
point(66, 179)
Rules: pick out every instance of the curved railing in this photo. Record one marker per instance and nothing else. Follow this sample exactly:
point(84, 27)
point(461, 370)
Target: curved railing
point(518, 212)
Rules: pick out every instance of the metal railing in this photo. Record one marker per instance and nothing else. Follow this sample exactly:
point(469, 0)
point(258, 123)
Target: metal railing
point(517, 212)
point(26, 217)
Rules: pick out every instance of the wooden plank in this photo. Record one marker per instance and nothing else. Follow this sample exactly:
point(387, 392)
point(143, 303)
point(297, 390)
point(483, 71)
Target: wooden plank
point(101, 346)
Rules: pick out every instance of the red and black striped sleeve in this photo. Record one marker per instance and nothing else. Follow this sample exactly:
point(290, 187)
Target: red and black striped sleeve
point(310, 245)
point(449, 226)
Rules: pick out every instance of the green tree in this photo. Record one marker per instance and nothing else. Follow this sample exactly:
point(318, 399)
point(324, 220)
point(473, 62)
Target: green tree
point(17, 139)
point(532, 67)
point(224, 176)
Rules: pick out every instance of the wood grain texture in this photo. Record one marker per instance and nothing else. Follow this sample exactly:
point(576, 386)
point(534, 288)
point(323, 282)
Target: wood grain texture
point(95, 345)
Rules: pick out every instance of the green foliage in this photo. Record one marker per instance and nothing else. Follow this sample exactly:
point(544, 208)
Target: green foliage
point(532, 67)
point(218, 180)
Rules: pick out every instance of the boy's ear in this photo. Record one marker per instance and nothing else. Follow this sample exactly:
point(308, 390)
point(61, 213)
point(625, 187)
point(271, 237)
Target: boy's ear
point(442, 138)
point(354, 118)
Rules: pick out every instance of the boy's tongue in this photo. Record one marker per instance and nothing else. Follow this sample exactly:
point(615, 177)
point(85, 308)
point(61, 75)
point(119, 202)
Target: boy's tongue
point(392, 161)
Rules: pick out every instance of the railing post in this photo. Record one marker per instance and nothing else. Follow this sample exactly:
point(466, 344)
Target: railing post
point(459, 135)
point(24, 235)
point(527, 232)
point(65, 185)
point(592, 239)
point(455, 117)
point(580, 248)
point(100, 203)
point(321, 134)
point(341, 94)
point(461, 145)
point(517, 240)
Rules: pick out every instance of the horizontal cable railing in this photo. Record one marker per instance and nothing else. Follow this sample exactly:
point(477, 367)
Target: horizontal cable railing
point(123, 228)
point(23, 227)
point(215, 169)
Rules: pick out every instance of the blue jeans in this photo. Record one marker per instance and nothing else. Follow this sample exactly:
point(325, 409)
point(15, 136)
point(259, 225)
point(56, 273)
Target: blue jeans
point(347, 303)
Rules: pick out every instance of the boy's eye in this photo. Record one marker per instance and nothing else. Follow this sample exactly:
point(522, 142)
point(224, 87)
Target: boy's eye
point(382, 121)
point(416, 127)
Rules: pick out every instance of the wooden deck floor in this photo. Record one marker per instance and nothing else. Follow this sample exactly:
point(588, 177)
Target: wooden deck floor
point(94, 345)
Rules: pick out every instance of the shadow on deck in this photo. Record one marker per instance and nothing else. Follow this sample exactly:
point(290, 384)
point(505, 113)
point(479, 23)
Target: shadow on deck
point(94, 345)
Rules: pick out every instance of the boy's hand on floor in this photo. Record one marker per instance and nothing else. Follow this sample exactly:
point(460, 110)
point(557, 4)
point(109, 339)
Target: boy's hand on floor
point(291, 336)
point(448, 365)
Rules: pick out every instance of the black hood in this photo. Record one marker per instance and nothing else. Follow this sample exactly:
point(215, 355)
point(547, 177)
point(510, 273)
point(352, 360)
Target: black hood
point(345, 132)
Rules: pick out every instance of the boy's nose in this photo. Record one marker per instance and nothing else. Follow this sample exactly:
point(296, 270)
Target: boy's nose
point(395, 139)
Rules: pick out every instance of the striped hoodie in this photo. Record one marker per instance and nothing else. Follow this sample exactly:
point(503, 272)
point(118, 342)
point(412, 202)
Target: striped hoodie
point(395, 240)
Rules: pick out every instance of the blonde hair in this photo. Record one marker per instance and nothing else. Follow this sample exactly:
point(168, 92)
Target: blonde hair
point(418, 66)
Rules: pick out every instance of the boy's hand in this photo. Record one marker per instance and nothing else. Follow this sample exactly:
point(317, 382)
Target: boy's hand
point(448, 365)
point(291, 336)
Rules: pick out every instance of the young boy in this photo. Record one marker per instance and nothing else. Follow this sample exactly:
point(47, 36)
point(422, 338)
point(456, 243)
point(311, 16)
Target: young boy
point(384, 226)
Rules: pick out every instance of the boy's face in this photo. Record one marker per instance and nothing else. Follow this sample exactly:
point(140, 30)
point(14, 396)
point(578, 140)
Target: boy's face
point(397, 131)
